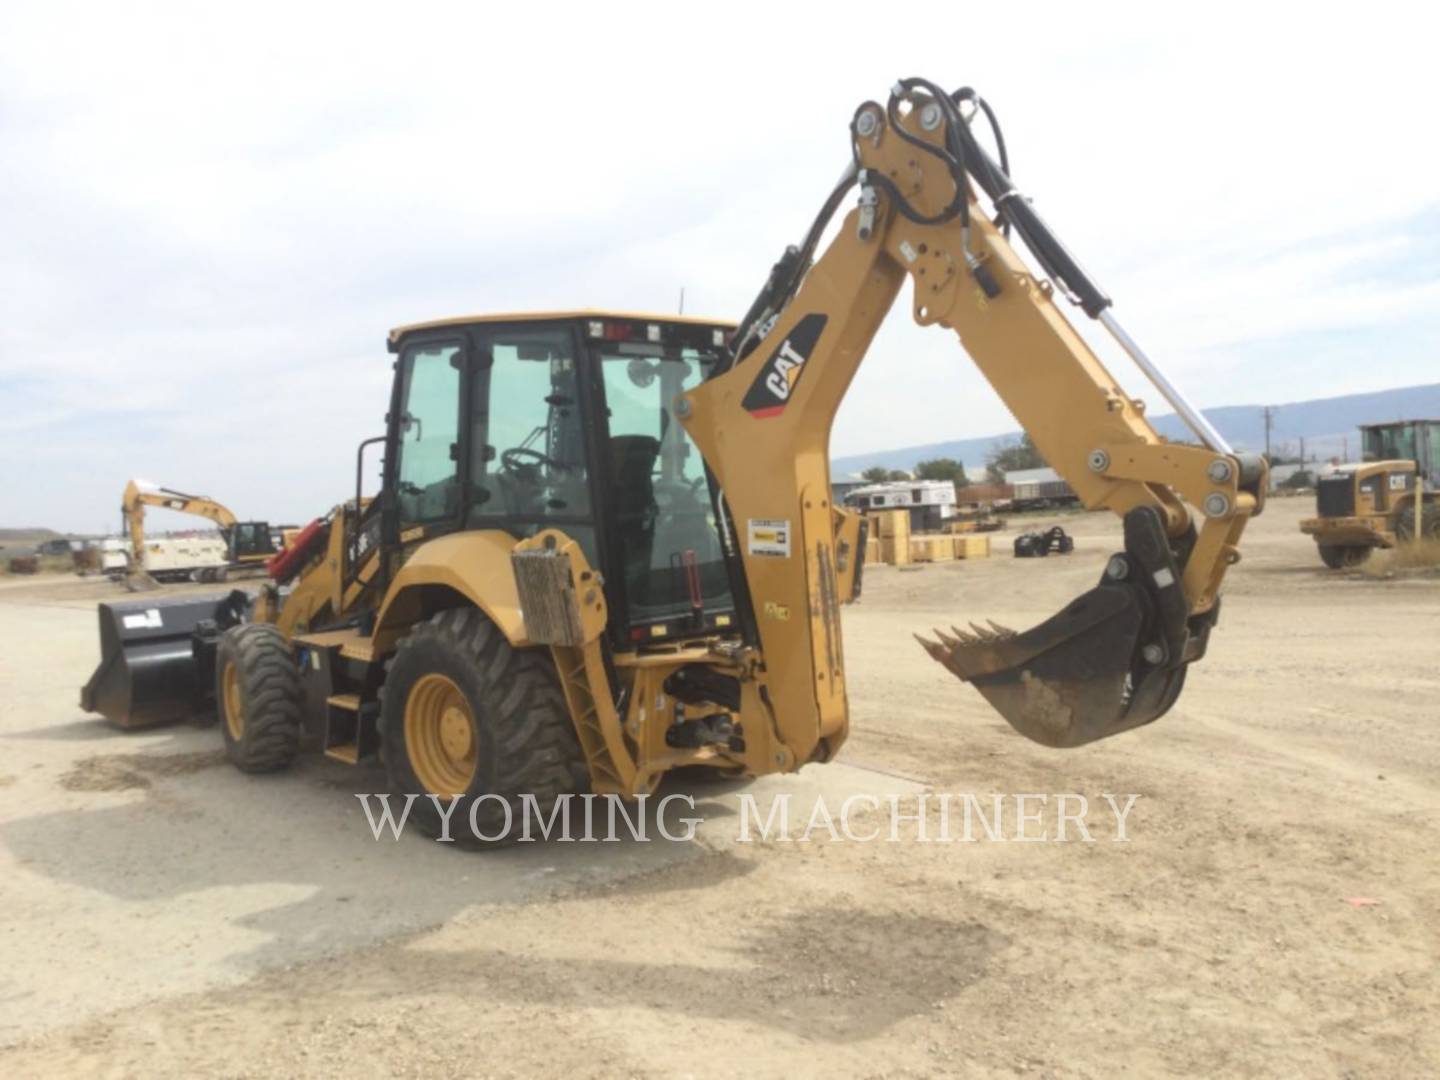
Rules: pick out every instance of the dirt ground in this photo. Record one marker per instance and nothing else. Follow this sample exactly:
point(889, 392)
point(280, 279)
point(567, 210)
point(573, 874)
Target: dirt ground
point(1274, 911)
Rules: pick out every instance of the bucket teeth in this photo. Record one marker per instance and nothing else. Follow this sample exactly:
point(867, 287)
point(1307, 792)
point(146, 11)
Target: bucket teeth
point(956, 639)
point(935, 649)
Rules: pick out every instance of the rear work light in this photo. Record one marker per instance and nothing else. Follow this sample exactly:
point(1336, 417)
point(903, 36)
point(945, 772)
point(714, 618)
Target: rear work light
point(607, 330)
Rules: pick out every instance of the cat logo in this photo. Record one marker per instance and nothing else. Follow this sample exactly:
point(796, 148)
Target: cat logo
point(777, 611)
point(780, 374)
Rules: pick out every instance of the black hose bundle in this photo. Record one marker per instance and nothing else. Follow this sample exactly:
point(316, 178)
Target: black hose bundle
point(964, 159)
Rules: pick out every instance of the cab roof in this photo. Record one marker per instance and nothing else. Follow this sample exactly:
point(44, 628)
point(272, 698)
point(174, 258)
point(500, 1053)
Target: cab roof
point(557, 316)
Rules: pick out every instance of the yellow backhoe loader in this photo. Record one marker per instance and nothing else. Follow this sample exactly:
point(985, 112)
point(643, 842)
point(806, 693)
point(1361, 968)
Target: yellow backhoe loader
point(605, 544)
point(248, 544)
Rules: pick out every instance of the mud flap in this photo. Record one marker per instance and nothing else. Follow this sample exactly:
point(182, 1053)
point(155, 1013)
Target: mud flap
point(157, 658)
point(1112, 660)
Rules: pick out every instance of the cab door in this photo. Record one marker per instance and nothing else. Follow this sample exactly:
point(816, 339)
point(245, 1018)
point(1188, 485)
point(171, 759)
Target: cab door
point(426, 433)
point(252, 541)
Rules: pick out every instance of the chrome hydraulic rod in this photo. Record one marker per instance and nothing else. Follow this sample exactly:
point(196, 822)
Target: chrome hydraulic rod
point(1192, 416)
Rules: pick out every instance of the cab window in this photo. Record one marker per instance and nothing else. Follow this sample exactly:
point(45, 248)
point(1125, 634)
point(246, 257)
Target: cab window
point(660, 500)
point(429, 425)
point(527, 445)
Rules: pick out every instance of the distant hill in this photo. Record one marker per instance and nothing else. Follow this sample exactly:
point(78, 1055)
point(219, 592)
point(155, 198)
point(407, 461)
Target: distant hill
point(1328, 426)
point(27, 536)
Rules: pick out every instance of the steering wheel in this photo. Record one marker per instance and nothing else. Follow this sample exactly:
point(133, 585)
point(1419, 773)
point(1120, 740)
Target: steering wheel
point(521, 457)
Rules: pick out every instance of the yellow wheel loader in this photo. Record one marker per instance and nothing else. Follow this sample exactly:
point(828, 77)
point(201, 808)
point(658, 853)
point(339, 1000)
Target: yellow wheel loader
point(1360, 508)
point(1389, 499)
point(605, 545)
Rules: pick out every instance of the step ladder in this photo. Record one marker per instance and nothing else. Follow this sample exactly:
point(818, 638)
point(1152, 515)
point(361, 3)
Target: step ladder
point(349, 733)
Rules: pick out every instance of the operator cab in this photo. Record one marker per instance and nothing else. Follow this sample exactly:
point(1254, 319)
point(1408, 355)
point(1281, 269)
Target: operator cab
point(251, 540)
point(522, 423)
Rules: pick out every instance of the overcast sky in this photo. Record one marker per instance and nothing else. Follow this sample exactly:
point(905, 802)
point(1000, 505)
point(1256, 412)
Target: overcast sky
point(210, 215)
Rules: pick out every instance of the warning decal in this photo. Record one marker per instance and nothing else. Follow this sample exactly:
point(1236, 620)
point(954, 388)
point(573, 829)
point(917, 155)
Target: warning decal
point(149, 619)
point(769, 537)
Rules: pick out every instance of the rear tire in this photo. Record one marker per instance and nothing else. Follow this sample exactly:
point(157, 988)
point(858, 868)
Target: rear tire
point(1403, 521)
point(257, 695)
point(1343, 556)
point(462, 709)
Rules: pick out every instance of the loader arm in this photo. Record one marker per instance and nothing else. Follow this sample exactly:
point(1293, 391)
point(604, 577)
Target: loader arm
point(1114, 658)
point(139, 495)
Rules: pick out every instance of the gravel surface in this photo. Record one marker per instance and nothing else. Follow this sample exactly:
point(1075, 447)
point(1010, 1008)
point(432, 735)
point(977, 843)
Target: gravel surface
point(1275, 909)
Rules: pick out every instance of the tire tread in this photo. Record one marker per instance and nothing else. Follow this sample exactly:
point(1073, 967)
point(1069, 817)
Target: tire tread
point(270, 694)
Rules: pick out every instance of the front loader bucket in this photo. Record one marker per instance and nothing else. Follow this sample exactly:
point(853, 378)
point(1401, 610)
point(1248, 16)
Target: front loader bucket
point(157, 657)
point(1112, 660)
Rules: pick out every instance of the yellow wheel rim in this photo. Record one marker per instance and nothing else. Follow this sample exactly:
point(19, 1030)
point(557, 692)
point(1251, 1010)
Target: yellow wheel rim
point(440, 735)
point(234, 714)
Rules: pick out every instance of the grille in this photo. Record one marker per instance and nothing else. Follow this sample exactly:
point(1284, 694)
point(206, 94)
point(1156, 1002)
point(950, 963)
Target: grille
point(1335, 496)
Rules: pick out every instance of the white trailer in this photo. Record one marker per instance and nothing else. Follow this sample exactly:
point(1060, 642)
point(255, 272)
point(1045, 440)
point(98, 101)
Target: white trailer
point(930, 502)
point(180, 558)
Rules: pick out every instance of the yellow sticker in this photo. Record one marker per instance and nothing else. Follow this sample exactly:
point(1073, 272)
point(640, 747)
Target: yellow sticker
point(777, 611)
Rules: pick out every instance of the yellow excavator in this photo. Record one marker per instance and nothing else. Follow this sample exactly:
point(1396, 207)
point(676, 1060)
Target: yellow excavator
point(605, 544)
point(247, 543)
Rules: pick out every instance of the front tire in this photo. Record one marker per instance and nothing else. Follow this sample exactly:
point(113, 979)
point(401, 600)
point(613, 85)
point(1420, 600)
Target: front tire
point(1343, 556)
point(257, 694)
point(464, 714)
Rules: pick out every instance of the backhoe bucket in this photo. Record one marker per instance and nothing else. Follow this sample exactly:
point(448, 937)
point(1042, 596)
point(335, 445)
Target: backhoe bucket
point(140, 581)
point(1112, 660)
point(157, 658)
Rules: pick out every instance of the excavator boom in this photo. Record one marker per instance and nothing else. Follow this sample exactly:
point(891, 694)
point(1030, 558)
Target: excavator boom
point(140, 494)
point(1114, 658)
point(245, 541)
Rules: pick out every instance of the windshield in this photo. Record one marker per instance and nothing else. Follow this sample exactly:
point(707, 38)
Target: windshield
point(669, 539)
point(1390, 443)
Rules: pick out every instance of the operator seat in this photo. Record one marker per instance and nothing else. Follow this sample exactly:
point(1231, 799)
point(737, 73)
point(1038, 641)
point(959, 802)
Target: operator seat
point(632, 494)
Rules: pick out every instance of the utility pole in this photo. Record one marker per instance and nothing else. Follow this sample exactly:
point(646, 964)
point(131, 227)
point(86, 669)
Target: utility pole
point(682, 299)
point(1302, 450)
point(1269, 426)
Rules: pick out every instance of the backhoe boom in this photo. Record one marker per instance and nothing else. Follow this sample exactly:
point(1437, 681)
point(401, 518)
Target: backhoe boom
point(1113, 659)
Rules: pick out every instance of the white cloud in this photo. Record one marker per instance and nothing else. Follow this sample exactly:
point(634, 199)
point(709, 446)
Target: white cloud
point(211, 216)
